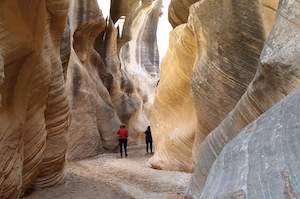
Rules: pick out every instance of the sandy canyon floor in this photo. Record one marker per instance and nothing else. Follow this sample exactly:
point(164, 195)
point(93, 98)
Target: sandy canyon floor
point(107, 176)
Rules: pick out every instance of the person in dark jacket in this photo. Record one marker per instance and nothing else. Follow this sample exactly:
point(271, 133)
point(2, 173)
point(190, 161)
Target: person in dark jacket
point(148, 137)
point(123, 135)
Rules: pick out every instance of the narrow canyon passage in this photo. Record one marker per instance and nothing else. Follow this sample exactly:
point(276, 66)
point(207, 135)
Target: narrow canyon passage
point(107, 176)
point(214, 85)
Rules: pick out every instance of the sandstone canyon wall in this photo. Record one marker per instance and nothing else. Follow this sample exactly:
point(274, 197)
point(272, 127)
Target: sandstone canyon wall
point(277, 76)
point(50, 63)
point(263, 158)
point(122, 89)
point(94, 120)
point(227, 51)
point(103, 92)
point(173, 117)
point(34, 108)
point(140, 60)
point(216, 80)
point(230, 40)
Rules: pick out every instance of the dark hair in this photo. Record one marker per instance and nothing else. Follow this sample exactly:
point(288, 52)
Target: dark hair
point(122, 126)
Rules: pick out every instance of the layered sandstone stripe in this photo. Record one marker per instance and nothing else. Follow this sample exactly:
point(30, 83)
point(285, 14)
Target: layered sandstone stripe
point(140, 60)
point(94, 120)
point(34, 109)
point(276, 77)
point(173, 115)
point(123, 91)
point(263, 160)
point(226, 47)
point(230, 39)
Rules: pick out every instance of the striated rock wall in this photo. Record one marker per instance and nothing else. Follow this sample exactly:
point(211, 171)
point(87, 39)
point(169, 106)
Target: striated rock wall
point(230, 40)
point(123, 91)
point(219, 51)
point(34, 109)
point(102, 93)
point(173, 117)
point(94, 120)
point(277, 76)
point(262, 160)
point(140, 61)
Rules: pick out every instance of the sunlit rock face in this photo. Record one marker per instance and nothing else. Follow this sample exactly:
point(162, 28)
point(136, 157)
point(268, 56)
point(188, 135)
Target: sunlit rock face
point(34, 108)
point(277, 75)
point(173, 118)
point(216, 69)
point(140, 60)
point(179, 11)
point(94, 120)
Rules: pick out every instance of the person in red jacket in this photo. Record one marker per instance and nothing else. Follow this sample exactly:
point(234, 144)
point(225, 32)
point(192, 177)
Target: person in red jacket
point(123, 135)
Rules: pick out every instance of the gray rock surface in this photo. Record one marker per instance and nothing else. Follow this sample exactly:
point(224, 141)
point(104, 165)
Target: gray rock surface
point(263, 161)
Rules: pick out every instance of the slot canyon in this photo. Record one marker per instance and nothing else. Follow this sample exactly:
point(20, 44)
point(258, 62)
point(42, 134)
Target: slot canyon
point(213, 85)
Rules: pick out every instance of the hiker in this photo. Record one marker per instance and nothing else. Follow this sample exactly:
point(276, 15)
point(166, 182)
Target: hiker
point(148, 139)
point(123, 135)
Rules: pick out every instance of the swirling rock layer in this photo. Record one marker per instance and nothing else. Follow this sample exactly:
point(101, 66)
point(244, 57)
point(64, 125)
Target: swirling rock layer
point(103, 94)
point(263, 160)
point(276, 77)
point(173, 116)
point(124, 94)
point(140, 60)
point(94, 120)
point(226, 56)
point(34, 108)
point(229, 47)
